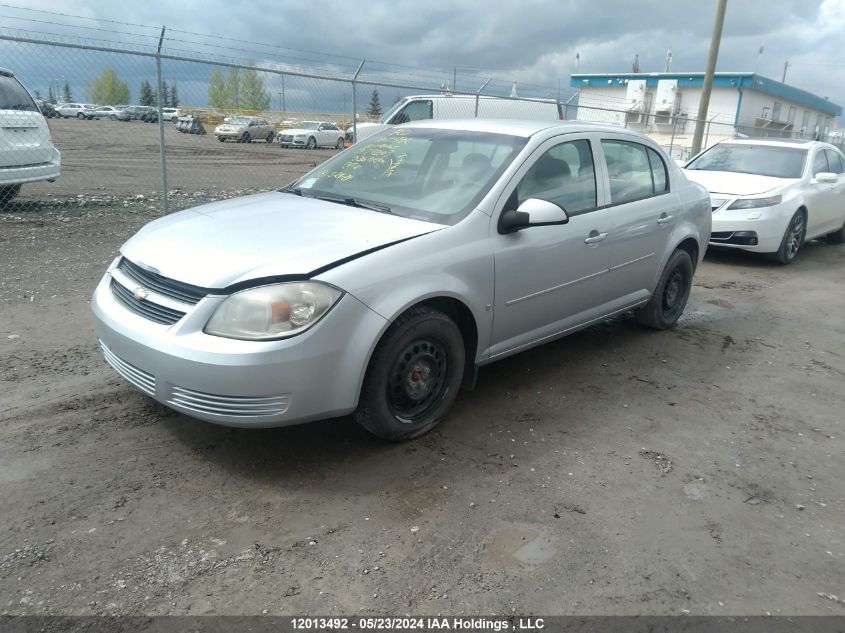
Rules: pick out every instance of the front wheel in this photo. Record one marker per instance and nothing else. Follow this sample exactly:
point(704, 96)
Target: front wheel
point(112, 118)
point(312, 143)
point(793, 239)
point(670, 297)
point(246, 138)
point(269, 138)
point(414, 376)
point(339, 144)
point(80, 116)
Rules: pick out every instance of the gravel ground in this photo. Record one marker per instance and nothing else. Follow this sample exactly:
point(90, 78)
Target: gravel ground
point(618, 471)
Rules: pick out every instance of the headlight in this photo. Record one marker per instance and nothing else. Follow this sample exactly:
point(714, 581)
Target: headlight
point(755, 203)
point(272, 312)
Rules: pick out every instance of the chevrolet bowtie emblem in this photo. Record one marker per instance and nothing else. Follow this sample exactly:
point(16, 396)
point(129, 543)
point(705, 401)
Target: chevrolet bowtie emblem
point(140, 293)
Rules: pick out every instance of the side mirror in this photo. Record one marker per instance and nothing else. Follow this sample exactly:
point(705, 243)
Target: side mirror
point(826, 176)
point(532, 212)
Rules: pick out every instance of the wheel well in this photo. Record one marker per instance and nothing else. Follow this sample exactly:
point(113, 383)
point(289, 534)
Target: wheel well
point(690, 246)
point(463, 318)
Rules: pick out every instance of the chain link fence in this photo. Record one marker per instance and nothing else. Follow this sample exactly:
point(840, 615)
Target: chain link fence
point(163, 127)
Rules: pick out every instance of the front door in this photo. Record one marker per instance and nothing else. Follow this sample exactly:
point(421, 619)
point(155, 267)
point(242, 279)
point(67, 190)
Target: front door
point(550, 279)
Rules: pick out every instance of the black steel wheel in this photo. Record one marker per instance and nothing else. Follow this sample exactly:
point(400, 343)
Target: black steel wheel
point(670, 296)
point(414, 375)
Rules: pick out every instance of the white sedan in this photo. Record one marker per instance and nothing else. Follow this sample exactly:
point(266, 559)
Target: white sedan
point(771, 195)
point(311, 135)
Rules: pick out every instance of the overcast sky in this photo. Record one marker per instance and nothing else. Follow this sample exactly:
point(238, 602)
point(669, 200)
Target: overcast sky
point(532, 41)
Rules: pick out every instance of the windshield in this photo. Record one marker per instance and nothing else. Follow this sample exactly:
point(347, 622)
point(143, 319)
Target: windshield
point(424, 174)
point(13, 96)
point(384, 118)
point(761, 160)
point(308, 125)
point(235, 120)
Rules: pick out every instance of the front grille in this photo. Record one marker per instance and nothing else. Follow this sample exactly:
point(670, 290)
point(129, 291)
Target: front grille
point(287, 138)
point(141, 379)
point(146, 309)
point(177, 290)
point(240, 406)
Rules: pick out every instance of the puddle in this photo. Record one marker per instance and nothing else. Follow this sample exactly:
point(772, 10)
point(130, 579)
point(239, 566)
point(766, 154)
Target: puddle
point(519, 547)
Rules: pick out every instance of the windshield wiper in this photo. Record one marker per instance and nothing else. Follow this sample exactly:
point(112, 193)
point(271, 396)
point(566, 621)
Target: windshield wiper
point(354, 202)
point(294, 190)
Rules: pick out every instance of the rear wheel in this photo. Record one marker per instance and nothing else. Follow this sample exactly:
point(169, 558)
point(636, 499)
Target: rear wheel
point(113, 117)
point(269, 138)
point(793, 238)
point(221, 139)
point(245, 138)
point(8, 193)
point(414, 376)
point(670, 297)
point(311, 144)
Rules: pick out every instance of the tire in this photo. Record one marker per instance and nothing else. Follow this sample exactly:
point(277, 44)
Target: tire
point(339, 144)
point(246, 138)
point(221, 139)
point(269, 138)
point(8, 193)
point(312, 143)
point(398, 399)
point(80, 116)
point(793, 238)
point(837, 237)
point(113, 118)
point(670, 297)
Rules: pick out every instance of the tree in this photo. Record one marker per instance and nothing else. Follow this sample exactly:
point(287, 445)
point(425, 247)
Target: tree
point(146, 95)
point(165, 94)
point(109, 89)
point(174, 96)
point(218, 91)
point(66, 95)
point(233, 86)
point(374, 108)
point(253, 95)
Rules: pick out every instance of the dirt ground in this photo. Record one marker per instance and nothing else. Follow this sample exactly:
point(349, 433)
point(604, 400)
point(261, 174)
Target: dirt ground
point(617, 471)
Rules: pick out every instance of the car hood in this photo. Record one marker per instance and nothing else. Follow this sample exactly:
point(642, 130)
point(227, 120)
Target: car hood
point(736, 184)
point(227, 127)
point(265, 235)
point(302, 131)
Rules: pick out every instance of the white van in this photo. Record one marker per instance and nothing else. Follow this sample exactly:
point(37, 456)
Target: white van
point(26, 149)
point(447, 106)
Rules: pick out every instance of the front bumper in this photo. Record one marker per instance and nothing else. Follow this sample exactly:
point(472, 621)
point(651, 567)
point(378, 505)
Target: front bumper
point(314, 375)
point(292, 141)
point(768, 224)
point(227, 134)
point(32, 173)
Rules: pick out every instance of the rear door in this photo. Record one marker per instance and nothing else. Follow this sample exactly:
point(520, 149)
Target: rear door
point(24, 135)
point(821, 197)
point(837, 166)
point(644, 212)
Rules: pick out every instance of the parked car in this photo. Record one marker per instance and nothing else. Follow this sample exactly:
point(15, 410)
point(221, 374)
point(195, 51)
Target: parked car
point(311, 135)
point(133, 113)
point(380, 281)
point(244, 129)
point(70, 110)
point(771, 195)
point(27, 153)
point(448, 106)
point(171, 114)
point(103, 112)
point(47, 109)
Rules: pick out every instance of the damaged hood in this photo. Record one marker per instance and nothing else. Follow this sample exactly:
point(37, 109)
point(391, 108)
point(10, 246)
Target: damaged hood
point(265, 235)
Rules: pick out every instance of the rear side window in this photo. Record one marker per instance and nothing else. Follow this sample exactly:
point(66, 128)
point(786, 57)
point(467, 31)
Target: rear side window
point(13, 96)
point(658, 172)
point(629, 170)
point(834, 161)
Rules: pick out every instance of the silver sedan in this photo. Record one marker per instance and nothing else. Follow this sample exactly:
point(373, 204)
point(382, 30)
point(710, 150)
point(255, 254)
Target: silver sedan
point(378, 283)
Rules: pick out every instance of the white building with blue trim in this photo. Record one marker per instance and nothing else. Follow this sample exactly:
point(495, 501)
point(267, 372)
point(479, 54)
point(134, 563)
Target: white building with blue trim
point(740, 103)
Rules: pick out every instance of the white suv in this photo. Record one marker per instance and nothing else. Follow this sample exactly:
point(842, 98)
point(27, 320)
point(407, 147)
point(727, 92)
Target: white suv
point(26, 149)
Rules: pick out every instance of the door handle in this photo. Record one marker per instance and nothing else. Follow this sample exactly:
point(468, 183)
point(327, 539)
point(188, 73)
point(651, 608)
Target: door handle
point(663, 220)
point(595, 237)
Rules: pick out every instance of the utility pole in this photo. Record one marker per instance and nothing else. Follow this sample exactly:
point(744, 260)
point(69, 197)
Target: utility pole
point(577, 61)
point(786, 66)
point(668, 60)
point(454, 79)
point(706, 89)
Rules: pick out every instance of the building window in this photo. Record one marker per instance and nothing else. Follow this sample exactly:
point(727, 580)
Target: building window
point(766, 110)
point(805, 120)
point(776, 111)
point(791, 117)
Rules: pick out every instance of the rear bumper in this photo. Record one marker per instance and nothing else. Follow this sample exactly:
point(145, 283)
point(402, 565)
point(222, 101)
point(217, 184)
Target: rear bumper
point(32, 173)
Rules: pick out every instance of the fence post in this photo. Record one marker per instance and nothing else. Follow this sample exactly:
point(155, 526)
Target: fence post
point(165, 206)
point(355, 102)
point(478, 95)
point(672, 140)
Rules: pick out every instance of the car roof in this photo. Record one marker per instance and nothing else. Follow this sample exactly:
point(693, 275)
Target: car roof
point(773, 141)
point(520, 127)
